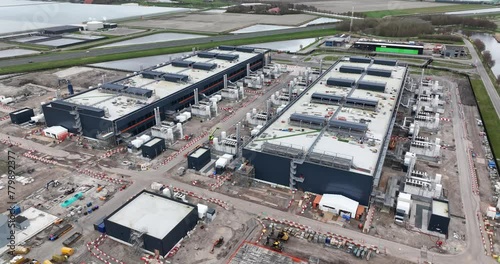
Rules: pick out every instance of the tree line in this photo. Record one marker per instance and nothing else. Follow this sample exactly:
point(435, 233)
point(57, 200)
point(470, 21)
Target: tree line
point(389, 27)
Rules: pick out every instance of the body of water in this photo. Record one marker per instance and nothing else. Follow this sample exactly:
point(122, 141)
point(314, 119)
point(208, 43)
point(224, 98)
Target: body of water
point(286, 45)
point(20, 15)
point(493, 47)
point(259, 28)
point(473, 12)
point(161, 37)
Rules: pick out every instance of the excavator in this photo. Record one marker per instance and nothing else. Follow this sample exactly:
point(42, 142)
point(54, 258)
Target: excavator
point(217, 243)
point(211, 136)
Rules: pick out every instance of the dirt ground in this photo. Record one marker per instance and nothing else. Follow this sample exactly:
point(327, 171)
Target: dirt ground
point(210, 22)
point(44, 84)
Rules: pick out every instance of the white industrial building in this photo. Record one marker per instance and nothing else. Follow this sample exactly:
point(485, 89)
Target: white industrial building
point(403, 207)
point(338, 204)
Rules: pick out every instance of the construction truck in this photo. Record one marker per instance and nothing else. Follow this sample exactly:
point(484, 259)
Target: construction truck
point(277, 245)
point(18, 250)
point(23, 260)
point(67, 251)
point(59, 258)
point(283, 236)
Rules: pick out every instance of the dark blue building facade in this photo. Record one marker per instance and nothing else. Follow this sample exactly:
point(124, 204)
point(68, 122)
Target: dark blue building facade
point(151, 243)
point(317, 178)
point(93, 122)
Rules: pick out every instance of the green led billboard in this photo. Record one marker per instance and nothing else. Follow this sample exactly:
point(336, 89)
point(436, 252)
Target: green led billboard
point(396, 50)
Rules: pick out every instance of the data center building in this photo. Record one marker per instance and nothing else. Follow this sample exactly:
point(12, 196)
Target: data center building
point(334, 136)
point(125, 107)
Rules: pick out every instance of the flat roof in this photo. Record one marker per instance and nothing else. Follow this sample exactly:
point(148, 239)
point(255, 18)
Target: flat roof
point(39, 220)
point(198, 152)
point(152, 142)
point(145, 211)
point(390, 44)
point(440, 208)
point(119, 104)
point(335, 144)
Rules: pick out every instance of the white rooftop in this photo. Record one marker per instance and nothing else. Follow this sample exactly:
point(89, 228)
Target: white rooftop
point(339, 202)
point(152, 142)
point(364, 157)
point(198, 152)
point(38, 221)
point(146, 211)
point(119, 105)
point(440, 208)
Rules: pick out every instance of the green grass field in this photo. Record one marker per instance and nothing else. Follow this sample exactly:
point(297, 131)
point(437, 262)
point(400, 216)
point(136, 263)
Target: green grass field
point(490, 118)
point(451, 65)
point(424, 10)
point(153, 52)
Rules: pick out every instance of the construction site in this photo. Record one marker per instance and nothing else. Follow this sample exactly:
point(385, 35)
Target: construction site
point(243, 160)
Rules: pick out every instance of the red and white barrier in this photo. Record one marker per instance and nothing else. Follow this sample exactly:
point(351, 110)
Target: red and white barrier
point(175, 154)
point(44, 160)
point(5, 117)
point(102, 176)
point(8, 108)
point(112, 152)
point(211, 200)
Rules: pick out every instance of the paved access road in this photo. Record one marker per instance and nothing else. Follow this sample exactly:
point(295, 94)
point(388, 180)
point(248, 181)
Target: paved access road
point(151, 46)
point(490, 88)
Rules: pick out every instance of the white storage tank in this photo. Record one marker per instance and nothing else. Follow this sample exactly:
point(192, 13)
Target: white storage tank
point(94, 25)
point(254, 111)
point(137, 143)
point(167, 193)
point(145, 138)
point(223, 135)
point(215, 141)
point(202, 210)
point(155, 186)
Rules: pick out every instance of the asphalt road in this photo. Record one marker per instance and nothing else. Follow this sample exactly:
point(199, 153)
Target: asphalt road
point(490, 88)
point(150, 46)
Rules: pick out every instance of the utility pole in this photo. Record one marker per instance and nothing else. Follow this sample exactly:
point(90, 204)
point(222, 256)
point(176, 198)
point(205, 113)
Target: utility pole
point(352, 18)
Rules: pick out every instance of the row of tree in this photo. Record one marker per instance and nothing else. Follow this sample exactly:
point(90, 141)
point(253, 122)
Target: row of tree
point(389, 27)
point(443, 20)
point(488, 59)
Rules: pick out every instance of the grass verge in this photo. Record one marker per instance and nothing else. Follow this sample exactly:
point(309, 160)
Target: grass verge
point(153, 52)
point(423, 10)
point(490, 119)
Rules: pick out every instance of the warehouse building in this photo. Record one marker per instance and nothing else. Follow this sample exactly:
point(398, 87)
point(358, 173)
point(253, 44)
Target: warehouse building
point(440, 216)
point(415, 49)
point(151, 222)
point(333, 138)
point(21, 116)
point(124, 108)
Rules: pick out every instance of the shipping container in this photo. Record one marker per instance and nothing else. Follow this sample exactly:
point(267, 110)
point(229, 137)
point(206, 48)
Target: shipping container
point(60, 232)
point(153, 148)
point(21, 116)
point(72, 239)
point(199, 158)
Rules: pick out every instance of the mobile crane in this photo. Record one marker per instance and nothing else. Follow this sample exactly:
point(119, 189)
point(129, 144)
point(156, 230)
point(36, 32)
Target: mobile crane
point(211, 136)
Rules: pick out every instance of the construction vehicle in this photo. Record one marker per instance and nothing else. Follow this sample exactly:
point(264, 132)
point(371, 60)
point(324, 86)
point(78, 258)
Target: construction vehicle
point(59, 258)
point(277, 245)
point(72, 239)
point(67, 251)
point(58, 221)
point(99, 188)
point(217, 243)
point(63, 230)
point(211, 136)
point(283, 236)
point(18, 250)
